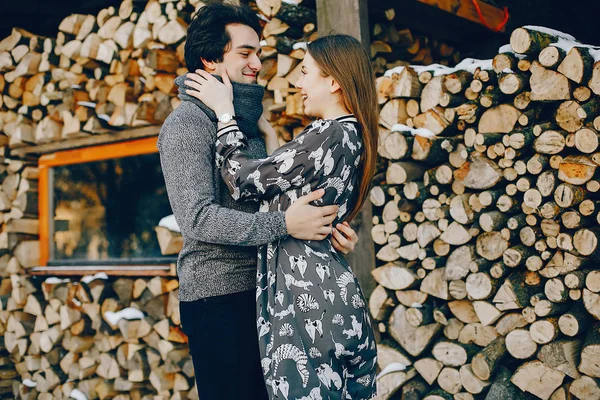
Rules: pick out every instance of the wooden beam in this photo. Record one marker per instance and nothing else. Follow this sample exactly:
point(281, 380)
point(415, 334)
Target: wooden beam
point(93, 140)
point(344, 16)
point(493, 16)
point(351, 17)
point(104, 151)
point(362, 259)
point(117, 270)
point(454, 20)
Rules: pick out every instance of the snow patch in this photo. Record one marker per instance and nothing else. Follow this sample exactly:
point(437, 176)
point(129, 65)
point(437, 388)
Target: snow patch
point(567, 45)
point(90, 278)
point(259, 15)
point(415, 132)
point(416, 305)
point(507, 71)
point(156, 46)
point(300, 45)
point(170, 223)
point(88, 104)
point(417, 68)
point(565, 42)
point(596, 54)
point(29, 383)
point(468, 64)
point(130, 313)
point(77, 395)
point(393, 367)
point(505, 49)
point(471, 64)
point(54, 280)
point(77, 302)
point(550, 31)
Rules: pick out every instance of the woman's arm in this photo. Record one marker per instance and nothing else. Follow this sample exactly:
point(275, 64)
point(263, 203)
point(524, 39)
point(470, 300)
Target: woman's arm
point(269, 135)
point(316, 151)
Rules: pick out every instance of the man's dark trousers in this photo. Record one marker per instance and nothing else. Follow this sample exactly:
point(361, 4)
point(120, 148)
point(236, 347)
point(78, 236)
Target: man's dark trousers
point(224, 346)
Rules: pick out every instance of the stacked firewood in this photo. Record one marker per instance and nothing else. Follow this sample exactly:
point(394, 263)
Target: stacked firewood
point(111, 70)
point(19, 245)
point(90, 340)
point(19, 249)
point(287, 30)
point(116, 69)
point(486, 225)
point(393, 45)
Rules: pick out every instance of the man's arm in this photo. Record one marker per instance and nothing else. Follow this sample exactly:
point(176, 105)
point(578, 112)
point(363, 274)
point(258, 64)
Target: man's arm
point(187, 158)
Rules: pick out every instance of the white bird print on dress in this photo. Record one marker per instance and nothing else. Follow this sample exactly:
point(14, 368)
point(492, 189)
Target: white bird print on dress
point(336, 183)
point(317, 155)
point(283, 184)
point(345, 174)
point(326, 163)
point(320, 125)
point(279, 297)
point(234, 167)
point(286, 159)
point(255, 176)
point(233, 138)
point(263, 325)
point(310, 252)
point(347, 143)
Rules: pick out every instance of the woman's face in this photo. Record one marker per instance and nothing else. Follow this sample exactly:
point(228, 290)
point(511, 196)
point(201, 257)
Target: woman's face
point(318, 91)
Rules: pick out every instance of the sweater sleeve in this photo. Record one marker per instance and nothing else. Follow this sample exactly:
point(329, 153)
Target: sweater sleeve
point(315, 151)
point(186, 147)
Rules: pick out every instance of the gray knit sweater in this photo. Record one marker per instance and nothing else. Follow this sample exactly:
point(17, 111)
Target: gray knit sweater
point(220, 235)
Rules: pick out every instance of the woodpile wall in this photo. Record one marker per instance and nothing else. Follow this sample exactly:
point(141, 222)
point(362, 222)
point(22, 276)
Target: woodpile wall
point(116, 70)
point(486, 225)
point(471, 265)
point(88, 339)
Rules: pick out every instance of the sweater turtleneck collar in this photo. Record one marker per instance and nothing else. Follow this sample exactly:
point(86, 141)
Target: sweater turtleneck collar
point(247, 103)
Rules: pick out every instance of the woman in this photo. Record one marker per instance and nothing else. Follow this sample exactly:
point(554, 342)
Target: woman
point(315, 335)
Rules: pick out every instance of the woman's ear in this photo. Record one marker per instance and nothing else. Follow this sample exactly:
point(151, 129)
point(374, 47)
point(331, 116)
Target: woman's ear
point(333, 85)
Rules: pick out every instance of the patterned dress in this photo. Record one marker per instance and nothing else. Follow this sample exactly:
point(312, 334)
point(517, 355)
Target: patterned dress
point(316, 338)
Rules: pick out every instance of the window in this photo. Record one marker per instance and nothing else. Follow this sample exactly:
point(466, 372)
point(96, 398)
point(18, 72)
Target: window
point(99, 206)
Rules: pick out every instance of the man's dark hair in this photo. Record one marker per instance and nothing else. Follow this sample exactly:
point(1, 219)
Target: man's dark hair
point(207, 36)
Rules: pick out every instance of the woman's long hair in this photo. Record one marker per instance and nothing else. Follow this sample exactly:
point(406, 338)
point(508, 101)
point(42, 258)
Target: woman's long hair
point(345, 59)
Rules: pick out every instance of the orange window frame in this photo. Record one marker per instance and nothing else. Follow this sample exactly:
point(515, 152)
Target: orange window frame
point(79, 156)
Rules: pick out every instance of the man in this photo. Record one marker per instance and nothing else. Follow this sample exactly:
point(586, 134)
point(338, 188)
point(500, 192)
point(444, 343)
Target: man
point(217, 265)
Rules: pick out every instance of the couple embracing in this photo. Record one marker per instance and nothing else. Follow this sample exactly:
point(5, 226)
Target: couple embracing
point(288, 320)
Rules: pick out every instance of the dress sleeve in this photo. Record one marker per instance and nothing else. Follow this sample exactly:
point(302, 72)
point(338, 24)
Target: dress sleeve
point(316, 150)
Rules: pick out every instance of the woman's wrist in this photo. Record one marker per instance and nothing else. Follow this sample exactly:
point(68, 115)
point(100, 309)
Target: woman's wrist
point(224, 109)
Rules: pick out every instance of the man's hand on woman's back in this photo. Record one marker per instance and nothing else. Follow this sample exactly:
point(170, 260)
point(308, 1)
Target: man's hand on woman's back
point(307, 222)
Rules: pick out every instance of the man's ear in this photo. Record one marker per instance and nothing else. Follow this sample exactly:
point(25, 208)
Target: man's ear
point(334, 86)
point(209, 66)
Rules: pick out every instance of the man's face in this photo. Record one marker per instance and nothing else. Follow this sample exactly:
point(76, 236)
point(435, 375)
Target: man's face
point(241, 59)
